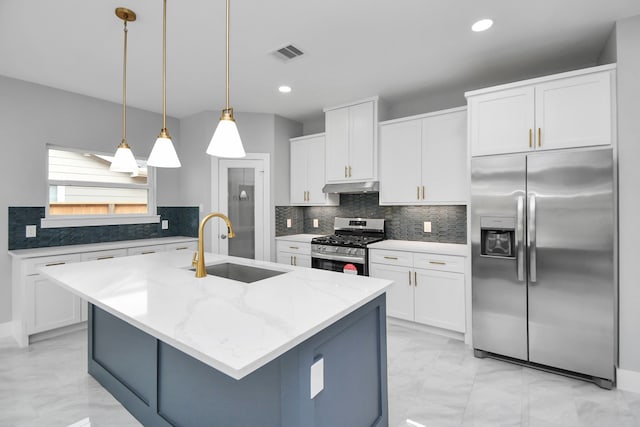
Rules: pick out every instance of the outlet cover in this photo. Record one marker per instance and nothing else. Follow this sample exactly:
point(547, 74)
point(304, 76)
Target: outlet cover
point(30, 231)
point(288, 222)
point(165, 224)
point(315, 223)
point(427, 227)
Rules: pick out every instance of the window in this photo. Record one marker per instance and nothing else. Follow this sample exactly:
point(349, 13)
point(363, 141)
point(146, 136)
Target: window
point(82, 190)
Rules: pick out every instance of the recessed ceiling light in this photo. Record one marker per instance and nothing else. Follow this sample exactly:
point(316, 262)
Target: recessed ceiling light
point(482, 25)
point(284, 89)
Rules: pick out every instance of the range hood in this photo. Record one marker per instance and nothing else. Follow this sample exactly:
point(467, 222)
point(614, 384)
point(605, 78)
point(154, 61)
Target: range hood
point(352, 187)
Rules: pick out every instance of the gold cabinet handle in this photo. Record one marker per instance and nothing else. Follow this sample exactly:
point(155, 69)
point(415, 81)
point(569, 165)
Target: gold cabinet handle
point(530, 138)
point(104, 257)
point(418, 192)
point(308, 197)
point(423, 192)
point(390, 257)
point(147, 253)
point(293, 247)
point(55, 263)
point(437, 262)
point(415, 279)
point(295, 261)
point(349, 171)
point(181, 248)
point(539, 137)
point(409, 278)
point(345, 171)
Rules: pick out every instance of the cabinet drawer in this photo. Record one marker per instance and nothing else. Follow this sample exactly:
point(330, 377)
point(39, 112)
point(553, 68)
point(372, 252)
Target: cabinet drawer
point(100, 255)
point(183, 246)
point(32, 265)
point(294, 247)
point(439, 262)
point(380, 256)
point(143, 250)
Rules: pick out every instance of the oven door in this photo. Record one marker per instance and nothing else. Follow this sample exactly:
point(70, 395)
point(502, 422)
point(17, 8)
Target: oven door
point(340, 265)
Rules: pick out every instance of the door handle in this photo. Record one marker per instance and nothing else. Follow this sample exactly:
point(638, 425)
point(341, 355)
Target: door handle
point(409, 277)
point(539, 137)
point(349, 171)
point(345, 172)
point(530, 138)
point(418, 192)
point(423, 192)
point(531, 239)
point(415, 279)
point(520, 238)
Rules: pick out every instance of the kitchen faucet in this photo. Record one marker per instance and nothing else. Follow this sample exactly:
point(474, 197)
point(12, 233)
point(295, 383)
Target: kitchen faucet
point(198, 257)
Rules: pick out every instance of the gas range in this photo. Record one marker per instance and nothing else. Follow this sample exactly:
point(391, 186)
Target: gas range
point(346, 249)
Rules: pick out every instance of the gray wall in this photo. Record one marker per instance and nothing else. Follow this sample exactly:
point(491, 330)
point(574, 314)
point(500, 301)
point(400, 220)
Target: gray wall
point(31, 116)
point(628, 54)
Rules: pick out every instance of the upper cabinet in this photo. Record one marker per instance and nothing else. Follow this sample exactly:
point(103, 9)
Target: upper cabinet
point(423, 159)
point(308, 171)
point(574, 109)
point(351, 141)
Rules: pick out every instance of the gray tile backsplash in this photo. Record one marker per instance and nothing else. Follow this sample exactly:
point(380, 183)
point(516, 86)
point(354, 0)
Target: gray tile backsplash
point(448, 223)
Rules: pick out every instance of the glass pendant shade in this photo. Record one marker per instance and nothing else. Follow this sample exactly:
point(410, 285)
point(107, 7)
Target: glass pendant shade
point(124, 160)
point(226, 139)
point(163, 154)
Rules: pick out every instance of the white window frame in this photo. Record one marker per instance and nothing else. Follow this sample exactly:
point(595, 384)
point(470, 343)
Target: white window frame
point(57, 221)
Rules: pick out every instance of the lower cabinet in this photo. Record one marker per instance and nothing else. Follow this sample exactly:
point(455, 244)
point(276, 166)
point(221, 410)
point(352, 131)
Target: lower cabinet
point(428, 288)
point(293, 253)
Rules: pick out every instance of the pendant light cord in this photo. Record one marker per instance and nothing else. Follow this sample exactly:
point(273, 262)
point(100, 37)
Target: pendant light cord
point(227, 94)
point(124, 86)
point(164, 66)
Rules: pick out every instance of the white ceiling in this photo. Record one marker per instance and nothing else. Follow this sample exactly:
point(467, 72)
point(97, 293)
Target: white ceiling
point(353, 48)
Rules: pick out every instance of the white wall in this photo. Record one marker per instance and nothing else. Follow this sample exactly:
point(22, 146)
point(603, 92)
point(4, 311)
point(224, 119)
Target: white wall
point(628, 56)
point(33, 115)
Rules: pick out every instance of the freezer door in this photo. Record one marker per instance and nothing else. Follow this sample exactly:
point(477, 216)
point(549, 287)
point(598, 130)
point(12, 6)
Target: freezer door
point(499, 304)
point(571, 271)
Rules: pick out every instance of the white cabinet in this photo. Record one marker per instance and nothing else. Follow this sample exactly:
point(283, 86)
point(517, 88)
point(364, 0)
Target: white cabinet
point(308, 172)
point(293, 252)
point(428, 288)
point(145, 250)
point(568, 110)
point(423, 159)
point(351, 141)
point(98, 256)
point(182, 246)
point(49, 306)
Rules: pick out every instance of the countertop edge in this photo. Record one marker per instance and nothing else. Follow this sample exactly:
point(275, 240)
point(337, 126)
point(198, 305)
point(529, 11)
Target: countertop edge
point(423, 247)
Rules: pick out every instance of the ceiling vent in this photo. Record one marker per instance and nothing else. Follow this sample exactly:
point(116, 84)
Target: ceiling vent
point(288, 52)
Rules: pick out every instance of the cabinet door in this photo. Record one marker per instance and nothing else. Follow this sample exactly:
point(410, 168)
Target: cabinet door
point(299, 172)
point(302, 260)
point(362, 147)
point(574, 112)
point(284, 258)
point(400, 164)
point(52, 306)
point(315, 170)
point(444, 158)
point(501, 122)
point(400, 294)
point(439, 299)
point(337, 140)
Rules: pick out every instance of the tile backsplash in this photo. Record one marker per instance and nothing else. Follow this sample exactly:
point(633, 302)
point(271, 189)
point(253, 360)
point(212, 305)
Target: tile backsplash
point(448, 223)
point(183, 221)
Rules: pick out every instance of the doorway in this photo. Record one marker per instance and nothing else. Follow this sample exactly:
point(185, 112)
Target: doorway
point(241, 191)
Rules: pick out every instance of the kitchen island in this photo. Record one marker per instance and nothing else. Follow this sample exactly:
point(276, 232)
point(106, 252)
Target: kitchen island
point(302, 348)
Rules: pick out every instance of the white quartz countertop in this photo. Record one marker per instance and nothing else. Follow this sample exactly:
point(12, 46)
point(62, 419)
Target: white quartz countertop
point(304, 238)
point(93, 247)
point(426, 247)
point(232, 326)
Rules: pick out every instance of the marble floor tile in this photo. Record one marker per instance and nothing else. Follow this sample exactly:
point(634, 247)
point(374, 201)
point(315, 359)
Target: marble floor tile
point(433, 381)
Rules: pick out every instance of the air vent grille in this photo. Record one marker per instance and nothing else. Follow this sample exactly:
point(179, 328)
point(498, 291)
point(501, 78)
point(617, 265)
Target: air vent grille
point(288, 52)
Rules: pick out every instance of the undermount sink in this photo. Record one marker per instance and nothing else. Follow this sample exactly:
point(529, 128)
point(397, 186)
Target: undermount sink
point(240, 272)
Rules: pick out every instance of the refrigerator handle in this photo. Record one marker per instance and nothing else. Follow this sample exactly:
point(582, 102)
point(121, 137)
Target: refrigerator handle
point(531, 238)
point(520, 238)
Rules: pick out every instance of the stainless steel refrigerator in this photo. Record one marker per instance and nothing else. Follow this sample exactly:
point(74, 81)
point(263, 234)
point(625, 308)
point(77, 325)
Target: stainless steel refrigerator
point(543, 261)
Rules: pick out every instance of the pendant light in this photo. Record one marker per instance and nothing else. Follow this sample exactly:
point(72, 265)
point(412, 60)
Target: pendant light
point(163, 154)
point(226, 139)
point(123, 160)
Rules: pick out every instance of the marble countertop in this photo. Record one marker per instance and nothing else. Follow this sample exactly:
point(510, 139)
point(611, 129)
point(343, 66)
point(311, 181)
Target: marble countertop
point(304, 238)
point(426, 247)
point(234, 327)
point(93, 247)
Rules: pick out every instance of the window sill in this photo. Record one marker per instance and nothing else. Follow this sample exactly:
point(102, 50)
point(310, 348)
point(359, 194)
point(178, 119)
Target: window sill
point(88, 221)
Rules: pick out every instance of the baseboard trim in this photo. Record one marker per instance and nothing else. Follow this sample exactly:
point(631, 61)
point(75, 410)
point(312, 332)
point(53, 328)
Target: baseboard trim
point(628, 380)
point(6, 330)
point(426, 328)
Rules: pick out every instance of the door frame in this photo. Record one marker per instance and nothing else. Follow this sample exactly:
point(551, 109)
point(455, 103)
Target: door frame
point(214, 230)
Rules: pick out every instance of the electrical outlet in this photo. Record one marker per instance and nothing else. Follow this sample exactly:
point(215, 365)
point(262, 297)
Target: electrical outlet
point(30, 231)
point(165, 224)
point(427, 227)
point(315, 223)
point(288, 222)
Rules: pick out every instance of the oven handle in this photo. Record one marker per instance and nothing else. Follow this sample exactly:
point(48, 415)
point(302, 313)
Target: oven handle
point(338, 258)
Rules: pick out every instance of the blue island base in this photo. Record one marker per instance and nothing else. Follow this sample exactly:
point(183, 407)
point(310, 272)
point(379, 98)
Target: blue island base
point(162, 386)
